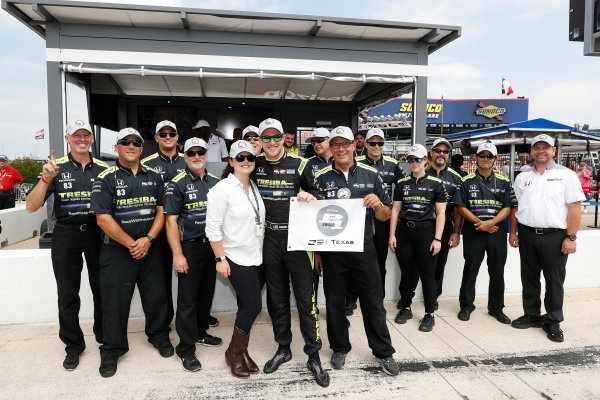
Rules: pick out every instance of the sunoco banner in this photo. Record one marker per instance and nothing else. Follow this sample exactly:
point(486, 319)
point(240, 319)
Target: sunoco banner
point(327, 225)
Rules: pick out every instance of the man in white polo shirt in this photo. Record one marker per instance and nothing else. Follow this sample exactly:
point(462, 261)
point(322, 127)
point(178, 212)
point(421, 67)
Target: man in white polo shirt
point(217, 149)
point(548, 217)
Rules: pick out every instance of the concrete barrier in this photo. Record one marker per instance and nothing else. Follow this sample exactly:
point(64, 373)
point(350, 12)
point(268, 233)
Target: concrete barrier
point(18, 225)
point(28, 288)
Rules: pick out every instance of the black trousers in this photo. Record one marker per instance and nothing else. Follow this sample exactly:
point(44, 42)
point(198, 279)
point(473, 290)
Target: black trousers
point(542, 253)
point(416, 261)
point(194, 294)
point(247, 282)
point(7, 199)
point(281, 266)
point(167, 266)
point(68, 245)
point(359, 270)
point(119, 273)
point(442, 257)
point(476, 244)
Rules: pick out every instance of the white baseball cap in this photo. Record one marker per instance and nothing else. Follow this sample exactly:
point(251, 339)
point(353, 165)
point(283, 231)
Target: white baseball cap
point(240, 146)
point(270, 123)
point(164, 123)
point(123, 133)
point(543, 138)
point(317, 133)
point(343, 132)
point(375, 132)
point(487, 146)
point(76, 125)
point(417, 150)
point(193, 142)
point(201, 124)
point(248, 129)
point(441, 140)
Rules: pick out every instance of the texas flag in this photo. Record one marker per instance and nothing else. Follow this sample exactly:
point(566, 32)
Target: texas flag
point(506, 88)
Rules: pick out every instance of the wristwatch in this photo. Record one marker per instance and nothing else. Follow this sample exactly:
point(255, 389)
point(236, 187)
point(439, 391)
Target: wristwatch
point(218, 259)
point(572, 237)
point(150, 238)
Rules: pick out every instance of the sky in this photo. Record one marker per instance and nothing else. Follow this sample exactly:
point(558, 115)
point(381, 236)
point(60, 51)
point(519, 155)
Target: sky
point(525, 42)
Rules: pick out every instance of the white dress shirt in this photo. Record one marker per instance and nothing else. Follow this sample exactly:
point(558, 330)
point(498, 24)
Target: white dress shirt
point(231, 218)
point(543, 198)
point(217, 149)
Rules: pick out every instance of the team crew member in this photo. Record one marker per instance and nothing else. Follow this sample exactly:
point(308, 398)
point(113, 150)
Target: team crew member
point(548, 216)
point(390, 172)
point(484, 200)
point(128, 202)
point(235, 227)
point(416, 227)
point(168, 162)
point(288, 143)
point(279, 176)
point(217, 148)
point(359, 144)
point(9, 177)
point(193, 259)
point(439, 156)
point(345, 178)
point(70, 180)
point(250, 135)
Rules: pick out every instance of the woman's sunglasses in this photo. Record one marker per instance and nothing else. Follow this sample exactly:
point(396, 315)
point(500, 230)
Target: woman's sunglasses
point(242, 157)
point(411, 160)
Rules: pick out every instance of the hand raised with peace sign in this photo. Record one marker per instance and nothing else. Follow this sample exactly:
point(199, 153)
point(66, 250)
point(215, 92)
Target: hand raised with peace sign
point(50, 169)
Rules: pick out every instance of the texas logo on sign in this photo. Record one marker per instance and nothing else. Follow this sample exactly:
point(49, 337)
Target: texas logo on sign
point(490, 111)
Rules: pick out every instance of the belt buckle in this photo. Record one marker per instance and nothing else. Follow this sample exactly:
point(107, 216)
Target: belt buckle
point(83, 227)
point(539, 231)
point(411, 224)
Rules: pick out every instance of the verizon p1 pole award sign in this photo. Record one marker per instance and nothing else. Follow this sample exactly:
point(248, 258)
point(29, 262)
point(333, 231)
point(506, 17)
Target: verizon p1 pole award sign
point(327, 225)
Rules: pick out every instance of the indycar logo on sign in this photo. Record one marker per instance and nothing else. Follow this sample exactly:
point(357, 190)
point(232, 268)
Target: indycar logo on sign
point(490, 111)
point(332, 220)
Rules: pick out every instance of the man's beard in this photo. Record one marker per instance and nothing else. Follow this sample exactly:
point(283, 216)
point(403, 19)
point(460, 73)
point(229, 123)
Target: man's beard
point(197, 166)
point(440, 162)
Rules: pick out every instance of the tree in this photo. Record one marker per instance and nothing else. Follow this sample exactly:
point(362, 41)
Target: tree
point(28, 167)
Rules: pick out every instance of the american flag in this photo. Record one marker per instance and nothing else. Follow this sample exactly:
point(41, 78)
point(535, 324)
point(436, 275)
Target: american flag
point(39, 134)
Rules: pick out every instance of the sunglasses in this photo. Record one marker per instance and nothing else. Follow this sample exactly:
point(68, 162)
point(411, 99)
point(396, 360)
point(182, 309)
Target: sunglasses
point(488, 156)
point(242, 157)
point(251, 138)
point(344, 145)
point(380, 144)
point(267, 139)
point(127, 142)
point(164, 134)
point(192, 153)
point(318, 140)
point(440, 151)
point(411, 160)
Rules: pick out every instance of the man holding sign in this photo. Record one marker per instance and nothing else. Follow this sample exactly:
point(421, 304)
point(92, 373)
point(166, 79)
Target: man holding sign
point(346, 179)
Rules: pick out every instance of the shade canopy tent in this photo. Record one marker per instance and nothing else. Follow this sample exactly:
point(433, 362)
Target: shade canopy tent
point(301, 68)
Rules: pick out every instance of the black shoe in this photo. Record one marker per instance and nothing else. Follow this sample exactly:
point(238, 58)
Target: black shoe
point(427, 323)
point(464, 314)
point(212, 321)
point(554, 332)
point(349, 308)
point(282, 356)
point(191, 363)
point(210, 341)
point(108, 366)
point(389, 365)
point(165, 349)
point(527, 321)
point(321, 376)
point(500, 316)
point(403, 315)
point(436, 306)
point(338, 359)
point(71, 361)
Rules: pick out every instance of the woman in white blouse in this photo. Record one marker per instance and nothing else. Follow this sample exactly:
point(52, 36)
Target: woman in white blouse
point(235, 227)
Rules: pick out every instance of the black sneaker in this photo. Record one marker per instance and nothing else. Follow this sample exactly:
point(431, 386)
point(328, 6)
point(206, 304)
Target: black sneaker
point(338, 359)
point(71, 361)
point(389, 365)
point(527, 321)
point(403, 315)
point(191, 363)
point(427, 323)
point(464, 314)
point(554, 332)
point(212, 321)
point(108, 366)
point(210, 341)
point(500, 316)
point(282, 356)
point(349, 308)
point(321, 376)
point(165, 349)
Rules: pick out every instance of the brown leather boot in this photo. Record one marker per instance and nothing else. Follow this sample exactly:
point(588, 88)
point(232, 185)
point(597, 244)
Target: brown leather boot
point(249, 362)
point(234, 354)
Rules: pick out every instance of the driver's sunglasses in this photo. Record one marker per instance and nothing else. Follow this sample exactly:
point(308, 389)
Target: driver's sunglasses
point(488, 156)
point(193, 153)
point(440, 151)
point(319, 140)
point(127, 142)
point(170, 133)
point(380, 144)
point(411, 160)
point(242, 157)
point(267, 139)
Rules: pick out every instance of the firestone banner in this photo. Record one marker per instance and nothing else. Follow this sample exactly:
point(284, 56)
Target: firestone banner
point(327, 225)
